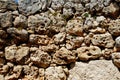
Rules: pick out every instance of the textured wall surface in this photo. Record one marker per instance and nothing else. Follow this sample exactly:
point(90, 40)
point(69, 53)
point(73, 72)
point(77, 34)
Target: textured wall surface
point(59, 39)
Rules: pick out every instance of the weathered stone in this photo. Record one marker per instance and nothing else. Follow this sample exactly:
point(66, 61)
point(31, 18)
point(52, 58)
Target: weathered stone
point(20, 22)
point(107, 53)
point(39, 39)
point(55, 73)
point(3, 34)
point(114, 27)
point(4, 69)
point(2, 77)
point(104, 40)
point(41, 58)
point(64, 56)
point(7, 5)
point(30, 7)
point(94, 70)
point(59, 38)
point(96, 5)
point(111, 10)
point(2, 61)
point(88, 53)
point(57, 4)
point(117, 0)
point(49, 48)
point(14, 53)
point(73, 42)
point(117, 42)
point(30, 72)
point(15, 74)
point(37, 20)
point(21, 53)
point(10, 52)
point(74, 27)
point(20, 35)
point(5, 19)
point(116, 59)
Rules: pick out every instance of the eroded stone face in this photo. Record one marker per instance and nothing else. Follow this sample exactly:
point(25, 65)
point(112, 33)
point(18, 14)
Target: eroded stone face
point(98, 69)
point(30, 7)
point(104, 40)
point(5, 19)
point(39, 39)
point(55, 73)
point(41, 58)
point(16, 54)
point(64, 56)
point(114, 27)
point(7, 5)
point(88, 53)
point(116, 59)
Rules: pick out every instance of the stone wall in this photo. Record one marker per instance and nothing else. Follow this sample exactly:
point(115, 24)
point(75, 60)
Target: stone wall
point(50, 39)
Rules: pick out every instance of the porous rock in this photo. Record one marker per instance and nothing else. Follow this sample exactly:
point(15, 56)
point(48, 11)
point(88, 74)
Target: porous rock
point(64, 56)
point(116, 59)
point(5, 19)
point(41, 58)
point(88, 53)
point(55, 73)
point(104, 40)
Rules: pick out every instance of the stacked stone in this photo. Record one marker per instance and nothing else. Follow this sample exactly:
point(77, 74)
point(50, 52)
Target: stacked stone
point(41, 39)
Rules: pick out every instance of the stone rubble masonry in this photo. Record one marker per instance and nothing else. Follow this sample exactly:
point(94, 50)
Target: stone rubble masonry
point(59, 39)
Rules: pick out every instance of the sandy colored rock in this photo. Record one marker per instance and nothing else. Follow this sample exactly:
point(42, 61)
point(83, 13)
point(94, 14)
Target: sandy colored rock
point(2, 77)
point(14, 53)
point(20, 21)
point(88, 53)
point(37, 20)
point(39, 39)
point(7, 5)
point(73, 42)
point(98, 69)
point(116, 59)
point(41, 58)
point(18, 35)
point(104, 40)
point(74, 27)
point(10, 52)
point(50, 48)
point(64, 56)
point(55, 73)
point(112, 9)
point(107, 53)
point(31, 72)
point(5, 19)
point(114, 27)
point(59, 38)
point(21, 53)
point(14, 74)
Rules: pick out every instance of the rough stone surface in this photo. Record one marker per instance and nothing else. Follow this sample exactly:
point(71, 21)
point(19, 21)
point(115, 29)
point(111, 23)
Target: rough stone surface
point(116, 59)
point(41, 58)
point(14, 53)
point(7, 5)
point(47, 39)
point(55, 73)
point(5, 19)
point(104, 40)
point(64, 56)
point(87, 53)
point(98, 69)
point(31, 7)
point(114, 28)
